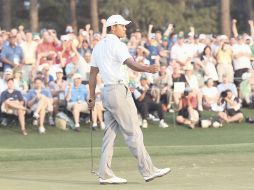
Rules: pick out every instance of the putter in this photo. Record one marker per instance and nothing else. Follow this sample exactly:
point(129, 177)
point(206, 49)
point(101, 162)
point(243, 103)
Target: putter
point(91, 148)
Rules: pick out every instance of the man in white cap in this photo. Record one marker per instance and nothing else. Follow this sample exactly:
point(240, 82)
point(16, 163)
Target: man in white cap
point(110, 57)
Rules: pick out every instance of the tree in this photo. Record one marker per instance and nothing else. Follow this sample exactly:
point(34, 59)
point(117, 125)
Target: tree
point(225, 17)
point(94, 15)
point(34, 16)
point(250, 9)
point(73, 9)
point(6, 14)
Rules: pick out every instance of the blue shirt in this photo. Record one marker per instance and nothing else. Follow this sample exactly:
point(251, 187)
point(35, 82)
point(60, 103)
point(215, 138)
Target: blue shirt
point(32, 93)
point(78, 94)
point(12, 53)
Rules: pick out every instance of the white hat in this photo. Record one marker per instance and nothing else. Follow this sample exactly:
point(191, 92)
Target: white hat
point(76, 76)
point(116, 19)
point(8, 71)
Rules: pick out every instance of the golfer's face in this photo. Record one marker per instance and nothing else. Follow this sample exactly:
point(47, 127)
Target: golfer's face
point(120, 30)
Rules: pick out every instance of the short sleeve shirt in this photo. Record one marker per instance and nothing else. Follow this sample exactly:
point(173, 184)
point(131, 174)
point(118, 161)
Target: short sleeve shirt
point(108, 56)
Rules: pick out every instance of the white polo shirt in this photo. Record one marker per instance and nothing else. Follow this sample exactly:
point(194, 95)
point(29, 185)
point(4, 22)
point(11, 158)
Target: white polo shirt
point(243, 61)
point(108, 56)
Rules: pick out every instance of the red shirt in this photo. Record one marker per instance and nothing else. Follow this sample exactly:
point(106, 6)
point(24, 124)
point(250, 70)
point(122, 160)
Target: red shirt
point(50, 52)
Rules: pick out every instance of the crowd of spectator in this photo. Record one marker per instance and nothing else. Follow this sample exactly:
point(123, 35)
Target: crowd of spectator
point(43, 74)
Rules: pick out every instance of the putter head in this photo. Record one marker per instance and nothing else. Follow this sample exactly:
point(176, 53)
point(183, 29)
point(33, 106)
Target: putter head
point(94, 173)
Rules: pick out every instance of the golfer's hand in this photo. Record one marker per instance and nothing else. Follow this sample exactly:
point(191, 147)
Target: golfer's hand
point(154, 68)
point(91, 103)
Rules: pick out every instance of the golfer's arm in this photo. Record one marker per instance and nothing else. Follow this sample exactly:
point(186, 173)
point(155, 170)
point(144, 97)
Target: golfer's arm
point(131, 63)
point(92, 81)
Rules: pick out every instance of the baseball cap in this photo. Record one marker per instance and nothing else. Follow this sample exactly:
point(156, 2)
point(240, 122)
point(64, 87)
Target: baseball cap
point(76, 76)
point(116, 19)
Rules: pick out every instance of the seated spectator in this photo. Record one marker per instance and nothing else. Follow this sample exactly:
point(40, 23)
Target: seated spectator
point(145, 104)
point(39, 101)
point(57, 89)
point(231, 106)
point(76, 96)
point(192, 82)
point(162, 85)
point(179, 84)
point(8, 73)
point(97, 113)
point(19, 83)
point(227, 85)
point(210, 94)
point(188, 114)
point(12, 103)
point(247, 90)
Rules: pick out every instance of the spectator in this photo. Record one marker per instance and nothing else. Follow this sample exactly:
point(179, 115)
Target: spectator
point(188, 114)
point(208, 64)
point(76, 96)
point(210, 94)
point(231, 105)
point(12, 54)
point(247, 90)
point(162, 84)
point(97, 112)
point(227, 85)
point(39, 101)
point(8, 73)
point(57, 89)
point(12, 103)
point(145, 103)
point(29, 49)
point(241, 59)
point(224, 58)
point(19, 83)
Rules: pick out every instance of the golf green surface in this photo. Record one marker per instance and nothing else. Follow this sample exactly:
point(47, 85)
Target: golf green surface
point(200, 159)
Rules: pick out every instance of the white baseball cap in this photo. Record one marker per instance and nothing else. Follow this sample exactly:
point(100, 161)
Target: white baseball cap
point(116, 19)
point(76, 76)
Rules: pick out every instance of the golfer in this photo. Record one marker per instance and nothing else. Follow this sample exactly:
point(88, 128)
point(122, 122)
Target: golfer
point(110, 57)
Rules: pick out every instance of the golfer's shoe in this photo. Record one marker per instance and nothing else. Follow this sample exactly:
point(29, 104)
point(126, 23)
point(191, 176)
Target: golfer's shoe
point(113, 180)
point(159, 173)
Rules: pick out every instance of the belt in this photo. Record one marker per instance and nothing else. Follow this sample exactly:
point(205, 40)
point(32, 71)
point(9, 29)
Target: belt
point(119, 82)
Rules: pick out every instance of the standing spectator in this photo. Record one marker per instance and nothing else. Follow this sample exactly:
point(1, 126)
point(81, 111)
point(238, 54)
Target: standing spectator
point(224, 59)
point(209, 64)
point(29, 49)
point(12, 103)
point(12, 54)
point(76, 96)
point(1, 47)
point(46, 50)
point(241, 59)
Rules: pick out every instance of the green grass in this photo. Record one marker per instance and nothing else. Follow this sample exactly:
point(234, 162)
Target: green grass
point(200, 159)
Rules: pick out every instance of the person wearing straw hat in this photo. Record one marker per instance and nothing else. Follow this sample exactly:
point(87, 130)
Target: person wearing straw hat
point(110, 57)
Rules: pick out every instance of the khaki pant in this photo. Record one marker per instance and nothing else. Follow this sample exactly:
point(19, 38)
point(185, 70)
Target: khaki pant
point(121, 115)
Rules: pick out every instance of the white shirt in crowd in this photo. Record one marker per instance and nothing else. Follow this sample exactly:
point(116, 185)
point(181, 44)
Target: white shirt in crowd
point(210, 92)
point(109, 55)
point(180, 53)
point(243, 61)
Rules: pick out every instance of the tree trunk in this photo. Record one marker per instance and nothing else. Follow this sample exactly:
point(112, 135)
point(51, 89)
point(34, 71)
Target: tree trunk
point(225, 17)
point(250, 9)
point(73, 8)
point(34, 16)
point(94, 15)
point(6, 14)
